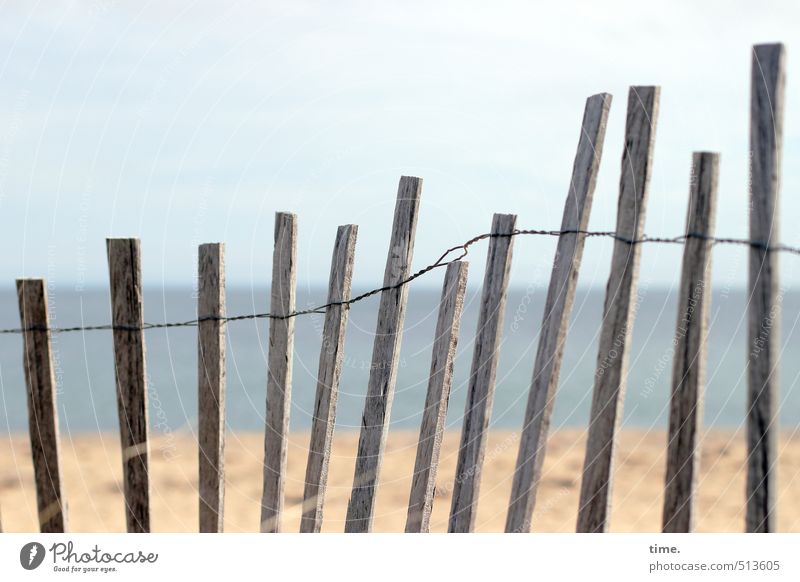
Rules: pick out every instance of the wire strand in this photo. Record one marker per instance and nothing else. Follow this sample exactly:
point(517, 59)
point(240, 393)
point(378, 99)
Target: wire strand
point(442, 261)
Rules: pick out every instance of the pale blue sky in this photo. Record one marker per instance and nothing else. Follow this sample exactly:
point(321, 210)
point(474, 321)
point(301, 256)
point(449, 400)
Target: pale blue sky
point(189, 122)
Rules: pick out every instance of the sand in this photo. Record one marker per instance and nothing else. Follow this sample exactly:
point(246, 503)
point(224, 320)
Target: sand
point(92, 471)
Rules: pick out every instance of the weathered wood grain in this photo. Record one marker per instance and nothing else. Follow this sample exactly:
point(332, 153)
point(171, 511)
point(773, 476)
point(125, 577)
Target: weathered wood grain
point(125, 272)
point(689, 362)
point(385, 353)
point(557, 310)
point(440, 381)
point(763, 341)
point(330, 370)
point(618, 311)
point(211, 385)
point(480, 393)
point(42, 410)
point(279, 371)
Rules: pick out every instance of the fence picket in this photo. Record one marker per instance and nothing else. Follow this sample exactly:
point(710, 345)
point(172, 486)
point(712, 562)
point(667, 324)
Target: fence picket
point(279, 371)
point(440, 381)
point(211, 385)
point(766, 142)
point(619, 311)
point(42, 410)
point(385, 353)
point(125, 273)
point(557, 310)
point(480, 394)
point(689, 364)
point(330, 369)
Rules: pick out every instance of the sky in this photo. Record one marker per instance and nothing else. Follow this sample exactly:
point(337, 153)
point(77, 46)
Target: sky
point(190, 122)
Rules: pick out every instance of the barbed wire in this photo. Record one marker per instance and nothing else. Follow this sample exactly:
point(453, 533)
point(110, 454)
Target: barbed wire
point(442, 261)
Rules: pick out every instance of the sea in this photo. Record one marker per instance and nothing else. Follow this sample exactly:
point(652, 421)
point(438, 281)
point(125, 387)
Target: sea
point(84, 361)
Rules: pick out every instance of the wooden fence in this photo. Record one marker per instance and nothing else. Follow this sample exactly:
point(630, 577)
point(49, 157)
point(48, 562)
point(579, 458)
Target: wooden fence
point(688, 375)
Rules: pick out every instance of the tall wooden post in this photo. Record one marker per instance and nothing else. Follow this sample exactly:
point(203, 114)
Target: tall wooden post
point(42, 410)
point(763, 329)
point(279, 372)
point(125, 270)
point(619, 311)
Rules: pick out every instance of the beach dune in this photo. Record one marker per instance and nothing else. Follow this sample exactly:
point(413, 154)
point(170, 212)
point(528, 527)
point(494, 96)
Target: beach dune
point(92, 471)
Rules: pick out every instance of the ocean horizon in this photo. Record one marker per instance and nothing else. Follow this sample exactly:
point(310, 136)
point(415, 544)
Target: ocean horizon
point(85, 373)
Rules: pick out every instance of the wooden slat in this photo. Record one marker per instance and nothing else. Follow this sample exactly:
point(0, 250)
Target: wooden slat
point(211, 385)
point(618, 311)
point(440, 381)
point(480, 394)
point(279, 371)
point(385, 353)
point(766, 137)
point(330, 369)
point(689, 363)
point(42, 409)
point(558, 307)
point(125, 272)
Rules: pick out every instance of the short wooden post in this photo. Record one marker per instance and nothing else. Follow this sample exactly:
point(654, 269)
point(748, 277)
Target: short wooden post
point(558, 307)
point(330, 370)
point(689, 363)
point(480, 394)
point(42, 409)
point(619, 311)
point(385, 353)
point(211, 385)
point(440, 381)
point(279, 373)
point(125, 272)
point(766, 142)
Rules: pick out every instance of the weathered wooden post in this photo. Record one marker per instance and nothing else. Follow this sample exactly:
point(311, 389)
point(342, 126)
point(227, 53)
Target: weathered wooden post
point(385, 354)
point(330, 370)
point(279, 372)
point(125, 271)
point(689, 363)
point(557, 310)
point(211, 385)
point(480, 394)
point(619, 311)
point(440, 381)
point(42, 410)
point(764, 299)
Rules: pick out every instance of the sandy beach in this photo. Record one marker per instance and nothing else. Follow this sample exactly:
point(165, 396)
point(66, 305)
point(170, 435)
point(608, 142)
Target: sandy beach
point(92, 471)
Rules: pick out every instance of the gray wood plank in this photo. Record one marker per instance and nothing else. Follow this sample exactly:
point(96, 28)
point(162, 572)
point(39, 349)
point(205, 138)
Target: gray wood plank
point(440, 380)
point(766, 141)
point(42, 409)
point(689, 363)
point(330, 370)
point(125, 272)
point(557, 310)
point(480, 393)
point(385, 353)
point(618, 311)
point(211, 385)
point(279, 371)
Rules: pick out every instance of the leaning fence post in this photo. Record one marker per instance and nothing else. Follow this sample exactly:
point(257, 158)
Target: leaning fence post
point(480, 393)
point(279, 371)
point(330, 370)
point(766, 137)
point(619, 311)
point(689, 363)
point(42, 409)
point(440, 380)
point(385, 354)
point(211, 385)
point(560, 296)
point(125, 272)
